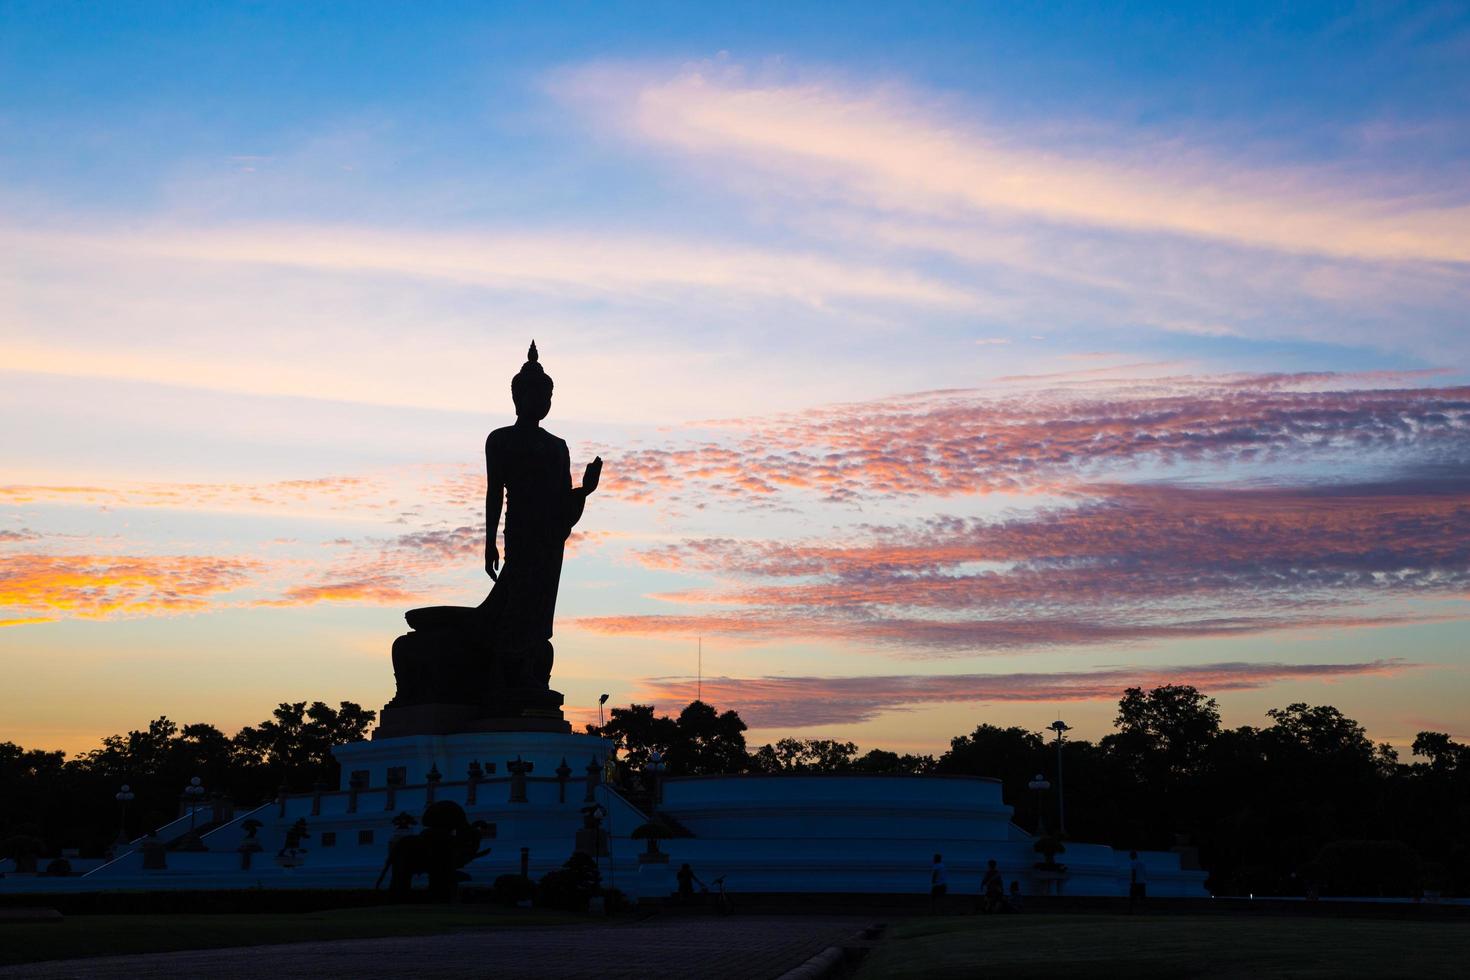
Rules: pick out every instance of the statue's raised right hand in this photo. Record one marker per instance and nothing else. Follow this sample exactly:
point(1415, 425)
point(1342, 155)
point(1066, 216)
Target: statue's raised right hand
point(591, 475)
point(492, 562)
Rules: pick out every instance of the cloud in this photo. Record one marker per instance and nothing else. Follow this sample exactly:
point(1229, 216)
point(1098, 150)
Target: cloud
point(803, 702)
point(319, 495)
point(390, 571)
point(891, 151)
point(371, 590)
point(1124, 564)
point(1060, 223)
point(1148, 541)
point(962, 442)
point(535, 261)
point(956, 637)
point(104, 586)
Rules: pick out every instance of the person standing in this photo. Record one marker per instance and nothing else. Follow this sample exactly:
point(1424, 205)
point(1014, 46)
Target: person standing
point(992, 888)
point(1137, 880)
point(938, 884)
point(686, 878)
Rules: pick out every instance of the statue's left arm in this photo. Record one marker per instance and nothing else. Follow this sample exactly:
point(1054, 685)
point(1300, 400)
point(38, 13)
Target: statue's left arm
point(494, 503)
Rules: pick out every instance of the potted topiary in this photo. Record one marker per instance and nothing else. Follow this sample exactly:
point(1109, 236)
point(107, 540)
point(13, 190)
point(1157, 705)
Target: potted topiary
point(293, 855)
point(249, 846)
point(403, 825)
point(653, 833)
point(1049, 846)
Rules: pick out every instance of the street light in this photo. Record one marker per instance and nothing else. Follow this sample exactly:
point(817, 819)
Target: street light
point(1060, 727)
point(123, 796)
point(1040, 785)
point(193, 793)
point(606, 793)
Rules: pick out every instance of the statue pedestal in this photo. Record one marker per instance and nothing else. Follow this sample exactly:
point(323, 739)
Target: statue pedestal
point(510, 711)
point(424, 719)
point(402, 721)
point(656, 881)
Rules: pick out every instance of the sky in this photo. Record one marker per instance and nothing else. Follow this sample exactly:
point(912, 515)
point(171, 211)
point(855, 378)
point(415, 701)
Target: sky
point(951, 363)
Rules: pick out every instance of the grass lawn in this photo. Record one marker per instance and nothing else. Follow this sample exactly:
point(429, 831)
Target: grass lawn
point(107, 935)
point(1011, 946)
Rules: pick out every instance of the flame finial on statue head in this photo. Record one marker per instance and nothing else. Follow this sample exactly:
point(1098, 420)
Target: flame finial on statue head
point(532, 382)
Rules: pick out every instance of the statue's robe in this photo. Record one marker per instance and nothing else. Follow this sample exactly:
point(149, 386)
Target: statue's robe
point(533, 469)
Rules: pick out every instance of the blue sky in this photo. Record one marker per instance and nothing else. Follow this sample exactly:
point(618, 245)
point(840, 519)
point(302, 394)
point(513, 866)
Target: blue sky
point(269, 267)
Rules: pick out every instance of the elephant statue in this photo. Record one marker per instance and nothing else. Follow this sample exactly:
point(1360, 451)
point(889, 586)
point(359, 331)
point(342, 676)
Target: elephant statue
point(447, 842)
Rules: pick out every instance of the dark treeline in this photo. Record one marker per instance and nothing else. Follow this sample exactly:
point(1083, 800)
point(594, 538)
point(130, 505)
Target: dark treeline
point(1307, 800)
point(64, 802)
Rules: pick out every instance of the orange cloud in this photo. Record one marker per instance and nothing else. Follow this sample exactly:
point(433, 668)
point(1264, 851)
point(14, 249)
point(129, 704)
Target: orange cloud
point(101, 586)
point(378, 590)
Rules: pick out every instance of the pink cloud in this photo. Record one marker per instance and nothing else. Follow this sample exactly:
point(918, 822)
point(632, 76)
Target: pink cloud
point(964, 442)
point(969, 634)
point(1128, 563)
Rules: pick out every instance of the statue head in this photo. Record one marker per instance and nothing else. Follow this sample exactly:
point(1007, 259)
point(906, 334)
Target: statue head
point(530, 389)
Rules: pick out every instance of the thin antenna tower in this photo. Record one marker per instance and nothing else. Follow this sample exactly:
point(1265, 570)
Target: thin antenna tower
point(699, 685)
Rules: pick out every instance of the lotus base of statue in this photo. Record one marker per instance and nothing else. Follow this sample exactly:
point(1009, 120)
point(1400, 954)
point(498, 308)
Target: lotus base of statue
point(451, 679)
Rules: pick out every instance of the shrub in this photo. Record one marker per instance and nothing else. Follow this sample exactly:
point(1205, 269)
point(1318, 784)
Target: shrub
point(512, 889)
point(1367, 868)
point(569, 887)
point(1049, 847)
point(614, 901)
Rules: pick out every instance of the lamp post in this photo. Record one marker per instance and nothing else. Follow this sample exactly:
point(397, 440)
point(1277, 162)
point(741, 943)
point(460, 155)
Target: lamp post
point(123, 796)
point(1060, 727)
point(193, 793)
point(612, 873)
point(1040, 785)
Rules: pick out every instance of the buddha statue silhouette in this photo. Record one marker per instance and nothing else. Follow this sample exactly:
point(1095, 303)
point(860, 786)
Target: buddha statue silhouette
point(489, 666)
